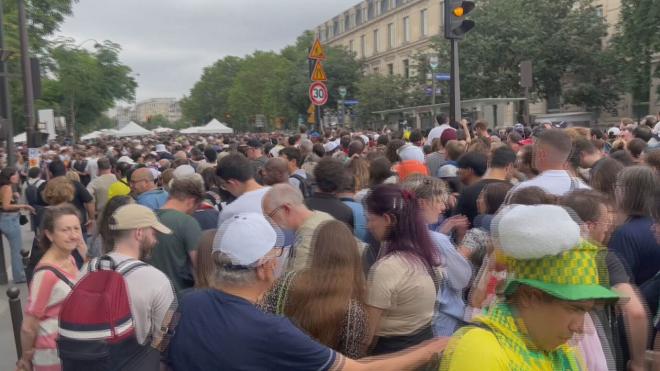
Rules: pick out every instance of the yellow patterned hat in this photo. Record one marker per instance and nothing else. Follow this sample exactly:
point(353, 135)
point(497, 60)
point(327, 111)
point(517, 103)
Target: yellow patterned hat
point(543, 249)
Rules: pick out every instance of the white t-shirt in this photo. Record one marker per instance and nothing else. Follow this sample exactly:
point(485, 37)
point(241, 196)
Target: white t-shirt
point(152, 300)
point(249, 202)
point(554, 182)
point(92, 168)
point(436, 132)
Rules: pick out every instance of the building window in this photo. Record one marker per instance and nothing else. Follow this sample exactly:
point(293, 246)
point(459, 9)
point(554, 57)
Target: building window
point(370, 10)
point(424, 22)
point(363, 41)
point(358, 16)
point(391, 36)
point(406, 68)
point(327, 33)
point(384, 5)
point(376, 70)
point(335, 27)
point(406, 29)
point(599, 11)
point(347, 23)
point(376, 42)
point(350, 46)
point(399, 3)
point(390, 69)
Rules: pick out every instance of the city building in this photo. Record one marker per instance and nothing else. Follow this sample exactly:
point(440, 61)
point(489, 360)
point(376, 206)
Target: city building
point(386, 34)
point(166, 107)
point(124, 115)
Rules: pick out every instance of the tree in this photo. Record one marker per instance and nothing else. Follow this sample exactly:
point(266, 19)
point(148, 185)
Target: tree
point(209, 98)
point(636, 40)
point(156, 121)
point(86, 83)
point(562, 38)
point(260, 87)
point(377, 93)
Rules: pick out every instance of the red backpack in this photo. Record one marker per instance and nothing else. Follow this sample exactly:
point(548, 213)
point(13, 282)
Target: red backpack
point(96, 327)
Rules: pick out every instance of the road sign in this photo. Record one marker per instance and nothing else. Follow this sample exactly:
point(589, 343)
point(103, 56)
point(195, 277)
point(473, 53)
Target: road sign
point(442, 77)
point(342, 91)
point(318, 93)
point(433, 61)
point(317, 51)
point(319, 73)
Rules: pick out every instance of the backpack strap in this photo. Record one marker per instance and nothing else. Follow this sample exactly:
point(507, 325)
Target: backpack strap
point(57, 273)
point(122, 268)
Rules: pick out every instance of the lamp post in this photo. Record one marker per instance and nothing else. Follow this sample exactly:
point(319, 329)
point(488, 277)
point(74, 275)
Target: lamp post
point(28, 92)
point(5, 102)
point(433, 63)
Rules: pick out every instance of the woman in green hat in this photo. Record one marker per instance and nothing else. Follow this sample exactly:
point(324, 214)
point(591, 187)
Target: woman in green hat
point(553, 282)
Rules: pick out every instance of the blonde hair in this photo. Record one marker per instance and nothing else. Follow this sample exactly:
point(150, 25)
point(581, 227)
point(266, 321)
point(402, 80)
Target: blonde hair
point(58, 190)
point(73, 176)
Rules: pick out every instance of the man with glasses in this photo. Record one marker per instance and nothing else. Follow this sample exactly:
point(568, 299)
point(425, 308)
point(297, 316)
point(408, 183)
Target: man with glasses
point(237, 178)
point(222, 328)
point(146, 192)
point(285, 205)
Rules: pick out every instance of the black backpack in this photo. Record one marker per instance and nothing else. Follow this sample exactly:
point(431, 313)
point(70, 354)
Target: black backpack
point(305, 185)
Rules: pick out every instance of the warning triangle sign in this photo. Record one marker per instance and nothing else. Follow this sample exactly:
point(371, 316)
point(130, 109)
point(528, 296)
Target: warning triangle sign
point(317, 51)
point(319, 72)
point(311, 109)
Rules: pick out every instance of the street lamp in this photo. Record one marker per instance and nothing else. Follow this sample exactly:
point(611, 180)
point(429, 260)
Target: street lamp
point(433, 63)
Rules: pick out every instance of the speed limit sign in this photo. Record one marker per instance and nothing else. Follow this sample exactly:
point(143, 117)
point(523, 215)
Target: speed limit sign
point(318, 93)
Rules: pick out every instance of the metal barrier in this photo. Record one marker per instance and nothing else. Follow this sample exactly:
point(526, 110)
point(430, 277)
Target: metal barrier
point(16, 312)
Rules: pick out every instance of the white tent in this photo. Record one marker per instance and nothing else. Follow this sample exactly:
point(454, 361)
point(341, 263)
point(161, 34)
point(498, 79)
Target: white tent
point(190, 130)
point(215, 127)
point(92, 135)
point(159, 130)
point(20, 138)
point(132, 130)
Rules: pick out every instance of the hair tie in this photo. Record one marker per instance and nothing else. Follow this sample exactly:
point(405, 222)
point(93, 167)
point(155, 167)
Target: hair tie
point(407, 195)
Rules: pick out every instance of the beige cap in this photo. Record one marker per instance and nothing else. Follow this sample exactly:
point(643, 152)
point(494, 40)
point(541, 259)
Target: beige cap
point(134, 216)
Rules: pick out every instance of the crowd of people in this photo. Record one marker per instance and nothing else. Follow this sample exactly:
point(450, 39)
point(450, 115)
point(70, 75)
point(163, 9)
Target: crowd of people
point(458, 248)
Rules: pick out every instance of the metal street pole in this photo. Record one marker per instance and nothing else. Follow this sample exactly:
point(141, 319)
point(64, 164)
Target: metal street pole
point(5, 101)
point(28, 93)
point(455, 94)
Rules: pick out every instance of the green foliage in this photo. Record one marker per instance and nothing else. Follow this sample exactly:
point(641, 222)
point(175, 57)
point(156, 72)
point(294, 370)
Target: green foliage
point(156, 121)
point(377, 93)
point(86, 83)
point(562, 38)
point(235, 90)
point(637, 39)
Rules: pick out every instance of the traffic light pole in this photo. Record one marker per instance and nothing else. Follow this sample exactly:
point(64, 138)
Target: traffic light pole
point(455, 93)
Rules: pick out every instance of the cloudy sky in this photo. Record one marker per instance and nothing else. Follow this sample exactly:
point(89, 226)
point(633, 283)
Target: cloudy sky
point(167, 43)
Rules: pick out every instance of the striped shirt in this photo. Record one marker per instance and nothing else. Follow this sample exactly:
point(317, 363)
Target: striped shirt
point(46, 295)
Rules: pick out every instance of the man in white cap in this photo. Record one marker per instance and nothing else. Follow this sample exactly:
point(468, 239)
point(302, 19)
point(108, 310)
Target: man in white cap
point(245, 255)
point(151, 296)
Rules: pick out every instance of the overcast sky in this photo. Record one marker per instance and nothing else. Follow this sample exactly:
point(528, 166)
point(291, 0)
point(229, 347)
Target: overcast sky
point(167, 43)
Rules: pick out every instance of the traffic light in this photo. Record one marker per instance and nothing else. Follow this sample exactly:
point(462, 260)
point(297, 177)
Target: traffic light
point(456, 26)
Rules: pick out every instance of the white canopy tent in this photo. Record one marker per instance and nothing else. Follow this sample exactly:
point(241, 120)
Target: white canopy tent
point(132, 130)
point(20, 138)
point(92, 135)
point(215, 127)
point(190, 130)
point(159, 130)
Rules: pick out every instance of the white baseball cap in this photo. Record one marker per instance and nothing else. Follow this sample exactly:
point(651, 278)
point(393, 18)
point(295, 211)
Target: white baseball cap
point(183, 171)
point(126, 159)
point(247, 237)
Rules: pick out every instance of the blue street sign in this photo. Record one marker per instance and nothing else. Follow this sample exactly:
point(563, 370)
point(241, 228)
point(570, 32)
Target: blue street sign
point(429, 91)
point(350, 102)
point(442, 77)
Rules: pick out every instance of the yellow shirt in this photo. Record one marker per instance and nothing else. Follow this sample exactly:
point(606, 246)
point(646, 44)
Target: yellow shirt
point(118, 188)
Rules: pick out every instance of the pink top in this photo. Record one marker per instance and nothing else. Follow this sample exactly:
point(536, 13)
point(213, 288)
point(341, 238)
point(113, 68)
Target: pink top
point(47, 293)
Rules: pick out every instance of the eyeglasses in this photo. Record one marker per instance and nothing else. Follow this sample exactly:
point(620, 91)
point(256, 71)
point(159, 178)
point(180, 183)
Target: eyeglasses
point(275, 210)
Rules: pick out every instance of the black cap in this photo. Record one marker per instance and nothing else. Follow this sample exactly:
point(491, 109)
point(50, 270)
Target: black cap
point(254, 143)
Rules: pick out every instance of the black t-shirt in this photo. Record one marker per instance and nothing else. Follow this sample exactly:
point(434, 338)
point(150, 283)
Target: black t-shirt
point(467, 201)
point(332, 205)
point(81, 197)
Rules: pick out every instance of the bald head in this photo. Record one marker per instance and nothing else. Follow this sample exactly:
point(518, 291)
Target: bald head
point(142, 180)
point(180, 155)
point(276, 170)
point(280, 194)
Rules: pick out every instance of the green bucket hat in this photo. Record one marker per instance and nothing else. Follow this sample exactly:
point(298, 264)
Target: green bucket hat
point(544, 250)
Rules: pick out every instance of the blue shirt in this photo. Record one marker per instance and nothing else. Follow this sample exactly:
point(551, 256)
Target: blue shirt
point(635, 244)
point(218, 331)
point(359, 219)
point(154, 199)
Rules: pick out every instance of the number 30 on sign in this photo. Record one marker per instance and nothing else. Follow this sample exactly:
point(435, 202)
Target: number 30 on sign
point(318, 93)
